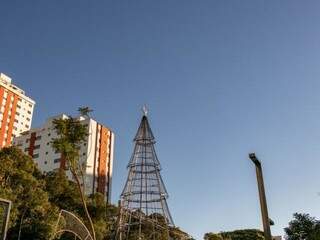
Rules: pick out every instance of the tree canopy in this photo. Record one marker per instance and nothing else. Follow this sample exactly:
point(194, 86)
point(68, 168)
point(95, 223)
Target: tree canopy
point(212, 236)
point(32, 214)
point(71, 134)
point(37, 199)
point(245, 234)
point(303, 226)
point(64, 194)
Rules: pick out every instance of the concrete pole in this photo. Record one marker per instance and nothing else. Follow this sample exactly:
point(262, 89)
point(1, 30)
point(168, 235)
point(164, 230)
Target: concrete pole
point(262, 196)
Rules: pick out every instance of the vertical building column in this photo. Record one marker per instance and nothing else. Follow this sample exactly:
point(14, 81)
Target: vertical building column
point(5, 118)
point(95, 159)
point(109, 166)
point(1, 94)
point(102, 163)
point(1, 100)
point(32, 143)
point(12, 118)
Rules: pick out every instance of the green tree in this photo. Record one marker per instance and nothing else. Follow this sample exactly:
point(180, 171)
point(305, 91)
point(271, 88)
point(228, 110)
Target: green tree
point(303, 226)
point(104, 217)
point(212, 236)
point(32, 215)
point(64, 194)
point(177, 234)
point(244, 234)
point(71, 134)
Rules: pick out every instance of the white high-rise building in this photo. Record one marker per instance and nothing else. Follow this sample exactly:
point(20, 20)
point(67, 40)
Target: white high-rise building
point(96, 153)
point(15, 113)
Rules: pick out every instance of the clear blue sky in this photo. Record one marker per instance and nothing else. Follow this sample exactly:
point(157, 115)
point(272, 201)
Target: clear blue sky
point(221, 79)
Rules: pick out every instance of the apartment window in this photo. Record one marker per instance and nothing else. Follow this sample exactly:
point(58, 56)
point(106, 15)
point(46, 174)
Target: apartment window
point(29, 112)
point(18, 106)
point(48, 144)
point(83, 154)
point(16, 121)
point(26, 149)
point(38, 137)
point(27, 126)
point(27, 140)
point(28, 119)
point(45, 162)
point(36, 147)
point(30, 105)
point(47, 153)
point(35, 155)
point(18, 114)
point(49, 134)
point(56, 160)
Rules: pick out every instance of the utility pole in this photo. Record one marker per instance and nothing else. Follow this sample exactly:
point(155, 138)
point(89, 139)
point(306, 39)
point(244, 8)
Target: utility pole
point(262, 196)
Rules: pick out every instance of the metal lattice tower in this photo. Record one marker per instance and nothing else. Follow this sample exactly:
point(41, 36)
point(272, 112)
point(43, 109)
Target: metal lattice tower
point(144, 210)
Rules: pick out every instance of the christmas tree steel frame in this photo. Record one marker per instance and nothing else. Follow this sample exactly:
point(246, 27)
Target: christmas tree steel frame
point(143, 200)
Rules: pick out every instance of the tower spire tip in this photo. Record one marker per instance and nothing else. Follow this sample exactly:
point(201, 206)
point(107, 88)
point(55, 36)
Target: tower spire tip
point(144, 110)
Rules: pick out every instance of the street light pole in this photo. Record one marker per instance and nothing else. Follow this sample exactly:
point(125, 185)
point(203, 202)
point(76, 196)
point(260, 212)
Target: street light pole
point(262, 196)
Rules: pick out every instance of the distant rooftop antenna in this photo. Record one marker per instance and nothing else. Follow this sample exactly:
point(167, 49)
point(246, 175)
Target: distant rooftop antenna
point(145, 110)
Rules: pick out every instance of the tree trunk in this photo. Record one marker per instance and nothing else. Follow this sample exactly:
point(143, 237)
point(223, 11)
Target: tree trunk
point(84, 204)
point(21, 220)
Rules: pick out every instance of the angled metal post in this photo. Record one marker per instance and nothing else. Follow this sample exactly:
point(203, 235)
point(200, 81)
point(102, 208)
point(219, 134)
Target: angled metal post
point(5, 218)
point(262, 197)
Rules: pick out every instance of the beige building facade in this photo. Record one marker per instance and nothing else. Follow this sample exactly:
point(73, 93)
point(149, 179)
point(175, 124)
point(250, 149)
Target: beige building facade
point(96, 153)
